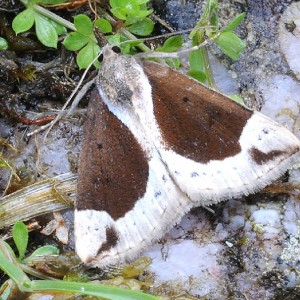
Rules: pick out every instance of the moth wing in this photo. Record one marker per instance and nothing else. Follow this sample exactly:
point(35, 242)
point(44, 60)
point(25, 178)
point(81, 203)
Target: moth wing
point(125, 196)
point(213, 147)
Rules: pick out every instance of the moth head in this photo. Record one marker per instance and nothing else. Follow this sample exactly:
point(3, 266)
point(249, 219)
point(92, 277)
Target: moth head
point(109, 52)
point(121, 81)
point(95, 237)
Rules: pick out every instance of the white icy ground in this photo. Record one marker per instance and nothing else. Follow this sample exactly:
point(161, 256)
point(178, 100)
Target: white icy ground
point(289, 37)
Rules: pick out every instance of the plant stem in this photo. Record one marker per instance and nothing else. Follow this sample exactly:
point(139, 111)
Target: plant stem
point(54, 17)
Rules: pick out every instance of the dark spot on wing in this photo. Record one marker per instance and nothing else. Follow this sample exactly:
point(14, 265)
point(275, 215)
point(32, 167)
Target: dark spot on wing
point(157, 194)
point(111, 240)
point(265, 131)
point(261, 157)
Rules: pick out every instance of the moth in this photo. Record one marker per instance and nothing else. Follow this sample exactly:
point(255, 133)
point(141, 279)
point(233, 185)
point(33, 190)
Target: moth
point(158, 143)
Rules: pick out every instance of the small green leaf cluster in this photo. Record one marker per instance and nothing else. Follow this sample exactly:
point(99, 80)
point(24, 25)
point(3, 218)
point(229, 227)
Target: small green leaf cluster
point(20, 237)
point(134, 13)
point(84, 41)
point(48, 27)
point(229, 43)
point(226, 39)
point(13, 266)
point(47, 30)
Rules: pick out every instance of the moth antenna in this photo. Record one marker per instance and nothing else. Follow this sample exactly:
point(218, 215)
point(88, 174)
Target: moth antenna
point(175, 33)
point(77, 99)
point(178, 53)
point(79, 96)
point(166, 35)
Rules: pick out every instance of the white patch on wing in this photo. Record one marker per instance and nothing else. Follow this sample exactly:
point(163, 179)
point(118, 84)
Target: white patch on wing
point(162, 206)
point(90, 231)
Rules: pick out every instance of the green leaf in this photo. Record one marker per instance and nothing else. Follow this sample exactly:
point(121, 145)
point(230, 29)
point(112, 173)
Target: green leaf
point(129, 10)
point(172, 44)
point(75, 41)
point(236, 98)
point(45, 32)
point(134, 17)
point(9, 249)
point(230, 44)
point(196, 60)
point(142, 28)
point(87, 54)
point(132, 43)
point(83, 24)
point(42, 251)
point(116, 3)
point(114, 39)
point(45, 250)
point(103, 25)
point(3, 44)
point(60, 29)
point(125, 48)
point(128, 46)
point(209, 19)
point(23, 21)
point(20, 236)
point(212, 9)
point(119, 13)
point(235, 22)
point(173, 63)
point(198, 75)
